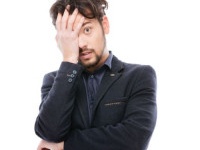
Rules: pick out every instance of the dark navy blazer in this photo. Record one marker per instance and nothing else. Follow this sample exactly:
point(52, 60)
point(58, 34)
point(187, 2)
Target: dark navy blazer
point(124, 110)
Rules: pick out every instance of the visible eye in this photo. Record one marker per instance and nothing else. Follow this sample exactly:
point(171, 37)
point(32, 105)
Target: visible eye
point(87, 30)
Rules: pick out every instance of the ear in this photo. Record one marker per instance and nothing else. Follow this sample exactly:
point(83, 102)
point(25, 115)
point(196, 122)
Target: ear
point(105, 24)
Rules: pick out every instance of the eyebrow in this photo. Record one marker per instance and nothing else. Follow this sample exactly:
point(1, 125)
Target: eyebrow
point(85, 23)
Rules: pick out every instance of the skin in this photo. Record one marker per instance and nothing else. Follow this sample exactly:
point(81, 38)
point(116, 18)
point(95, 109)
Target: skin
point(44, 145)
point(79, 40)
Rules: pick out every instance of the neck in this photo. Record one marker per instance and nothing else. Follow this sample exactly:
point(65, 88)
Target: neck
point(100, 63)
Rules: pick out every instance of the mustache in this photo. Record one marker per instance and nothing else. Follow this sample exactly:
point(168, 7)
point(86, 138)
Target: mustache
point(85, 49)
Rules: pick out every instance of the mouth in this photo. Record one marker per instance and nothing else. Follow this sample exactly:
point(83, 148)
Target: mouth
point(85, 55)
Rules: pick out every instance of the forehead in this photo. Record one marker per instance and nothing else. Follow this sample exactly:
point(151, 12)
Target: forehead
point(90, 21)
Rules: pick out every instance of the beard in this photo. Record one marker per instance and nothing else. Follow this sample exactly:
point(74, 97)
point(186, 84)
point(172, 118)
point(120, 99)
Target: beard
point(93, 62)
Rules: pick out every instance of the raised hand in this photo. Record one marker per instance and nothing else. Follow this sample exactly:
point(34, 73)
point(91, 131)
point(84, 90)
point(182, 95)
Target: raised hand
point(68, 27)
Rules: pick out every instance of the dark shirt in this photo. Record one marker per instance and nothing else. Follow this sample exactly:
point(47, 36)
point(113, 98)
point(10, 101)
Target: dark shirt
point(92, 82)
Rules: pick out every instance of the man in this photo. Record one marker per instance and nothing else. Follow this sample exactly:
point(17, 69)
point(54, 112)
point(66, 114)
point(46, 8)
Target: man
point(93, 101)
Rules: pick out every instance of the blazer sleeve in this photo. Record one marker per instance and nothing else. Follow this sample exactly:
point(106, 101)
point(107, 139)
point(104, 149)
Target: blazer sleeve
point(58, 93)
point(136, 128)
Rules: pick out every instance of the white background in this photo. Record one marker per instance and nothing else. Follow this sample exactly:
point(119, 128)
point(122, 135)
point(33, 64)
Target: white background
point(164, 34)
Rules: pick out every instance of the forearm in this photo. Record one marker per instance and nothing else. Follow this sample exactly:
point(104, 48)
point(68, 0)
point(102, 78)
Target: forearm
point(58, 95)
point(127, 135)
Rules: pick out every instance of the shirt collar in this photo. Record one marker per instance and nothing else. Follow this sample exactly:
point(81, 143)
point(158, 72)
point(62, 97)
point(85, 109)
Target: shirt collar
point(108, 61)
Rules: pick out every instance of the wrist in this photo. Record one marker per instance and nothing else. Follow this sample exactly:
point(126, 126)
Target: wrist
point(71, 60)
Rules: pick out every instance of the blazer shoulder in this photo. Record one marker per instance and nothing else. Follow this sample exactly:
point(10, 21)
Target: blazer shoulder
point(132, 68)
point(138, 67)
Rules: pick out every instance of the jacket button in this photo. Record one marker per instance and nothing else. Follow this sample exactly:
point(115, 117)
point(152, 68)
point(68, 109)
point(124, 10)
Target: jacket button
point(70, 80)
point(74, 72)
point(72, 75)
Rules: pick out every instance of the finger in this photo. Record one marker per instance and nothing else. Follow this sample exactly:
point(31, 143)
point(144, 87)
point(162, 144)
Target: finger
point(78, 17)
point(72, 19)
point(79, 25)
point(58, 21)
point(41, 145)
point(68, 7)
point(64, 19)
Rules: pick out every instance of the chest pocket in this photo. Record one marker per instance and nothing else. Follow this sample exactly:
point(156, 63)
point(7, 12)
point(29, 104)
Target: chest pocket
point(110, 111)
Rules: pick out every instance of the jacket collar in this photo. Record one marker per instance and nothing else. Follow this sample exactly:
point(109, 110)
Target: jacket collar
point(109, 78)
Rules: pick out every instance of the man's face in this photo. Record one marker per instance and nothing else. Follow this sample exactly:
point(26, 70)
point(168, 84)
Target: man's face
point(92, 43)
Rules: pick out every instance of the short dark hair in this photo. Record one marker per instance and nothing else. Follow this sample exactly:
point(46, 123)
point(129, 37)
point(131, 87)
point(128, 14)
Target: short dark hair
point(88, 8)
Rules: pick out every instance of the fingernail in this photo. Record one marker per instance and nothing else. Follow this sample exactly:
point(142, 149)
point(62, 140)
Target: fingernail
point(68, 7)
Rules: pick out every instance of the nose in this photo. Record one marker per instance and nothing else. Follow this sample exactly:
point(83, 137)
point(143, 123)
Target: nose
point(82, 42)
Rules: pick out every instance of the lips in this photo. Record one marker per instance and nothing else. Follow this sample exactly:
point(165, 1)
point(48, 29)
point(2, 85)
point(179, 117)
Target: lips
point(85, 55)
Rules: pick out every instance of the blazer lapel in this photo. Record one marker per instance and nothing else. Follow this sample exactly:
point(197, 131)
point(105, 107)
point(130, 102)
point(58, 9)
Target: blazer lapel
point(109, 78)
point(82, 103)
